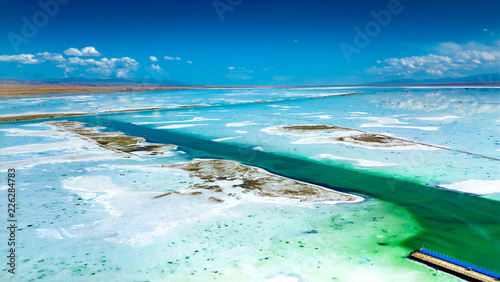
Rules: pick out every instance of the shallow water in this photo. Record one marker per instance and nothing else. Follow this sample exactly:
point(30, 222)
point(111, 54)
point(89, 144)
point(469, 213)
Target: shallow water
point(113, 229)
point(449, 220)
point(96, 219)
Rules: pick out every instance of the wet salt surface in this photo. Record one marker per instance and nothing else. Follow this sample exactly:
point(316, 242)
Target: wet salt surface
point(98, 210)
point(435, 120)
point(473, 186)
point(104, 221)
point(101, 102)
point(389, 122)
point(359, 162)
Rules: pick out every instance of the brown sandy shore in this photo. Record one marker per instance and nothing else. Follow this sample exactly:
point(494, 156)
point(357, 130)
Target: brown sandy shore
point(8, 88)
point(44, 89)
point(19, 89)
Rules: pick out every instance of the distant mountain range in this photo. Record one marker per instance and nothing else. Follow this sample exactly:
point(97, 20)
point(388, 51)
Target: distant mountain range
point(485, 79)
point(491, 78)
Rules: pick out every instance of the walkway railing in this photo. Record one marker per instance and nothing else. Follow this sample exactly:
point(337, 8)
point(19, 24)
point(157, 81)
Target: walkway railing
point(459, 262)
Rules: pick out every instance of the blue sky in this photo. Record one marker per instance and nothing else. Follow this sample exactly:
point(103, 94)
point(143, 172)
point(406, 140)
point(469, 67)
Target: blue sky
point(243, 42)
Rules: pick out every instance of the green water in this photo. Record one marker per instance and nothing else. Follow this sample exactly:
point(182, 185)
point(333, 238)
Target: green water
point(459, 225)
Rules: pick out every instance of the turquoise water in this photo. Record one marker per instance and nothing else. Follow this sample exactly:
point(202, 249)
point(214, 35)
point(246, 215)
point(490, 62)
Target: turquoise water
point(457, 224)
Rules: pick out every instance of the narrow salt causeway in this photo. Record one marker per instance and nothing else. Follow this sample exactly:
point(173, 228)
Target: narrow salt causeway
point(115, 141)
point(73, 141)
point(324, 134)
point(52, 145)
point(33, 116)
point(227, 181)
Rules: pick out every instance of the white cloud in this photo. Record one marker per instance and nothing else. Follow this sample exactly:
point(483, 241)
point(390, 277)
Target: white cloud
point(52, 57)
point(90, 52)
point(37, 58)
point(125, 62)
point(230, 68)
point(189, 62)
point(122, 73)
point(22, 59)
point(75, 61)
point(172, 58)
point(486, 30)
point(156, 68)
point(85, 52)
point(72, 52)
point(447, 60)
point(153, 59)
point(121, 67)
